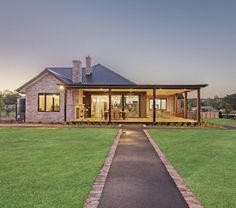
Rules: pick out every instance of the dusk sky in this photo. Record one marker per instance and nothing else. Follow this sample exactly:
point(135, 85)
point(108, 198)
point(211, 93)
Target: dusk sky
point(148, 41)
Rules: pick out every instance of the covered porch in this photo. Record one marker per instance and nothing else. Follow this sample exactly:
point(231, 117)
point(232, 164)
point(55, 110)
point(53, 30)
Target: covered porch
point(132, 104)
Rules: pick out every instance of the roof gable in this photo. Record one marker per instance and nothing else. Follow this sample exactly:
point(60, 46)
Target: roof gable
point(41, 75)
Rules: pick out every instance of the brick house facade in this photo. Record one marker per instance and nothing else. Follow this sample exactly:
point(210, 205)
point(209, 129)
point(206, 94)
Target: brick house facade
point(98, 94)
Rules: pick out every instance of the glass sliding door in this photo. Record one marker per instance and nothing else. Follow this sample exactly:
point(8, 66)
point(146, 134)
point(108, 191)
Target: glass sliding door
point(116, 102)
point(116, 106)
point(131, 105)
point(161, 104)
point(99, 106)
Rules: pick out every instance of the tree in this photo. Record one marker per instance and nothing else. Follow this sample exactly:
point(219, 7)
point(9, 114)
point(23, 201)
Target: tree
point(1, 104)
point(189, 106)
point(228, 108)
point(8, 110)
point(215, 102)
point(230, 102)
point(10, 97)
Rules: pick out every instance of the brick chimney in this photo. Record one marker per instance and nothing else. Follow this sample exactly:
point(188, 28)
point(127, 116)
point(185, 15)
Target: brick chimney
point(88, 65)
point(77, 71)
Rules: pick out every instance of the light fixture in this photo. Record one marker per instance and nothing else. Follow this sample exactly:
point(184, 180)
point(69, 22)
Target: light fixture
point(61, 87)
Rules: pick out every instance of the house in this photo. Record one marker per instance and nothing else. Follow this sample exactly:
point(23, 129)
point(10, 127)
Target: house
point(98, 94)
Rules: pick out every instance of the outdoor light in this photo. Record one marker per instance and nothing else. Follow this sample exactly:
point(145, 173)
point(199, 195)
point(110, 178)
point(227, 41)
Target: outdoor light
point(61, 87)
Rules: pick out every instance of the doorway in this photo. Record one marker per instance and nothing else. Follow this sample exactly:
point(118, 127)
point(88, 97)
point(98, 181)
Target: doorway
point(99, 105)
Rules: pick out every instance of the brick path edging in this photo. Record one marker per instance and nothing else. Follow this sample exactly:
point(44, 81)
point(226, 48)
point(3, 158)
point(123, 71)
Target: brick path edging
point(187, 194)
point(96, 191)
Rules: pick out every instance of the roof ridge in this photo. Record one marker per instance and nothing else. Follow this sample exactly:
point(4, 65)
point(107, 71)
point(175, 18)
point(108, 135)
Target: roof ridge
point(58, 67)
point(58, 75)
point(107, 76)
point(62, 67)
point(115, 73)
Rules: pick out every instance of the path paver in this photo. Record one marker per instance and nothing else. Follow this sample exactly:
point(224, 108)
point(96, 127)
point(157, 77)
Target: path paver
point(137, 178)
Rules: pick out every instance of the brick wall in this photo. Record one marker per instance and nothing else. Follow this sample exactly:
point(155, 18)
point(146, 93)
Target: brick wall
point(72, 101)
point(47, 84)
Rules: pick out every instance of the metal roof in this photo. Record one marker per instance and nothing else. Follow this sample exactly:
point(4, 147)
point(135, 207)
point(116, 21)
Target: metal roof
point(101, 76)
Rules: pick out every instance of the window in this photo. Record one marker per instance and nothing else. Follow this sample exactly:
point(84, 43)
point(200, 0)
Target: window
point(48, 102)
point(161, 104)
point(41, 103)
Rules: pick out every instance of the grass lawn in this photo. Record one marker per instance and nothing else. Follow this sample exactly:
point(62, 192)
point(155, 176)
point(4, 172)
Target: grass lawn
point(50, 167)
point(206, 159)
point(223, 121)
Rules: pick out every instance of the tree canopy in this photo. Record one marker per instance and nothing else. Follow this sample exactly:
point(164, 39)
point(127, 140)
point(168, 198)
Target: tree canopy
point(230, 102)
point(10, 97)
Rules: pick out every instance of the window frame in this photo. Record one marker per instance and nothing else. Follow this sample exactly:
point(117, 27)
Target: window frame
point(45, 102)
point(151, 104)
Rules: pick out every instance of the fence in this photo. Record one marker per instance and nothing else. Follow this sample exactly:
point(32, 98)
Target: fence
point(207, 115)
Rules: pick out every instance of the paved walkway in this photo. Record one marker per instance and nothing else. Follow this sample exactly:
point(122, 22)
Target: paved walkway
point(137, 178)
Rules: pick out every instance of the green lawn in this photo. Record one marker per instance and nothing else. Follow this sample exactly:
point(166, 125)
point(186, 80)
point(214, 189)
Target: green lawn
point(206, 159)
point(50, 167)
point(223, 121)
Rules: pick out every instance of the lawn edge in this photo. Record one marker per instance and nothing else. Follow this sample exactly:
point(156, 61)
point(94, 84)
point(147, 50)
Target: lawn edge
point(95, 194)
point(58, 126)
point(185, 191)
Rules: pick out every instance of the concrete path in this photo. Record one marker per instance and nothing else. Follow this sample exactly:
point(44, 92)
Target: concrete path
point(137, 178)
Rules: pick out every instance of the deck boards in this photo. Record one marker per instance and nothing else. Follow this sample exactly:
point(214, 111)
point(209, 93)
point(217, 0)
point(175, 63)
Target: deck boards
point(142, 120)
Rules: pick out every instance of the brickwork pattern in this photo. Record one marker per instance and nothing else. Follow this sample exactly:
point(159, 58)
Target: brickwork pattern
point(47, 84)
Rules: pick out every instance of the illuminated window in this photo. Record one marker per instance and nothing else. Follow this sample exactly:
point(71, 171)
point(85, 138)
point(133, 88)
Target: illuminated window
point(41, 103)
point(161, 104)
point(48, 102)
point(56, 103)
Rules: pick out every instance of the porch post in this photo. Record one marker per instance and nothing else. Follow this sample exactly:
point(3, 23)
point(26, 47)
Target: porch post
point(123, 102)
point(65, 104)
point(198, 105)
point(185, 105)
point(154, 105)
point(109, 105)
point(176, 105)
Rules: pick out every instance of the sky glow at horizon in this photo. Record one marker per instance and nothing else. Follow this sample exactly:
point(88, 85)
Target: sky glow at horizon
point(161, 42)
